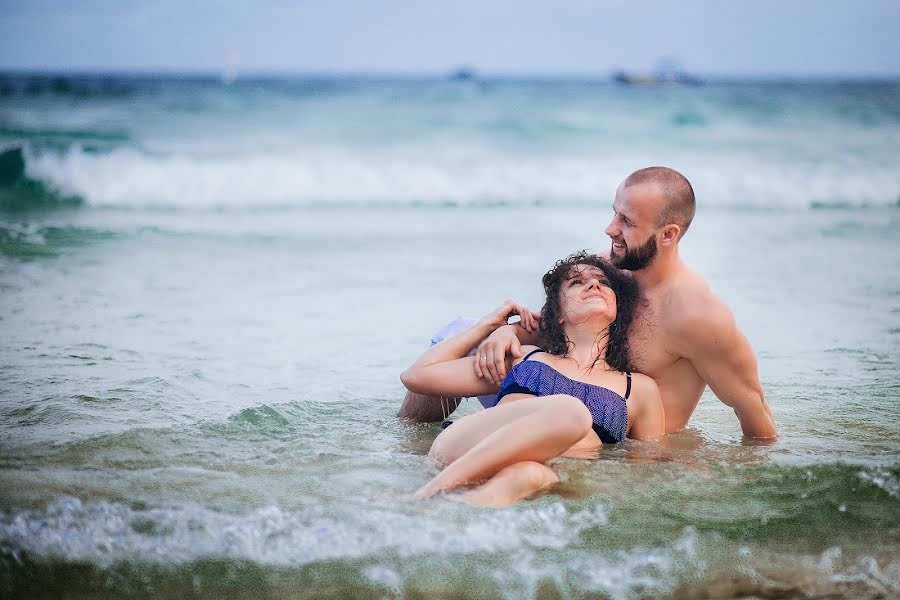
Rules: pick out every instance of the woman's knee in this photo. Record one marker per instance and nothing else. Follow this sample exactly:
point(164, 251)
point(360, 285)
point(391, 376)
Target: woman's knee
point(452, 442)
point(443, 451)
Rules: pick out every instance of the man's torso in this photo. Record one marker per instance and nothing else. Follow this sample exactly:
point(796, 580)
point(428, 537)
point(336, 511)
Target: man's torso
point(657, 351)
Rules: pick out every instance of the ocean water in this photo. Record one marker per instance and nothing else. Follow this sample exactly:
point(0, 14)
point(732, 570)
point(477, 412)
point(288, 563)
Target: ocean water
point(207, 293)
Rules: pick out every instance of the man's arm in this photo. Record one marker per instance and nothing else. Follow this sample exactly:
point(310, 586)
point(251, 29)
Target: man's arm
point(724, 358)
point(505, 341)
point(422, 408)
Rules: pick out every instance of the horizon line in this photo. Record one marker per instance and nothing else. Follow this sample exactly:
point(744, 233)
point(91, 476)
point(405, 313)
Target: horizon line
point(476, 75)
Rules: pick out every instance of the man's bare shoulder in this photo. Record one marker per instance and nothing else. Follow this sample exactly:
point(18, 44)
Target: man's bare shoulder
point(694, 312)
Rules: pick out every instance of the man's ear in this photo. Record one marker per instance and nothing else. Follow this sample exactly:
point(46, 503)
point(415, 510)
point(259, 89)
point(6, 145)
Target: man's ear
point(670, 234)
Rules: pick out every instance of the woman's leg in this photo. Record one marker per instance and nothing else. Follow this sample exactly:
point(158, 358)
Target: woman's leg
point(512, 484)
point(532, 429)
point(468, 431)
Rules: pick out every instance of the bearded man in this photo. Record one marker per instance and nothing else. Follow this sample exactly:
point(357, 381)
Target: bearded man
point(683, 336)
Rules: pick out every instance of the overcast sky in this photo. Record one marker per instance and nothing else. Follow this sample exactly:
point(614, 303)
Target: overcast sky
point(709, 37)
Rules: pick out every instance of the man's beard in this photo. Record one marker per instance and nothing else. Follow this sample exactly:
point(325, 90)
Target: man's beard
point(639, 258)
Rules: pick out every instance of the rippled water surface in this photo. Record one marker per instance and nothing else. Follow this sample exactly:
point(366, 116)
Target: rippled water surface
point(198, 396)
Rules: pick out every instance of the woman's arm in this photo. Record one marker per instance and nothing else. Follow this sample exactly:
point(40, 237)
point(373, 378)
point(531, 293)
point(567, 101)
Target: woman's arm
point(445, 370)
point(503, 344)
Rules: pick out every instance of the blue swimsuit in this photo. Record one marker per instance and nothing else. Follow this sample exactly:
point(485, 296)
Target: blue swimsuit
point(608, 409)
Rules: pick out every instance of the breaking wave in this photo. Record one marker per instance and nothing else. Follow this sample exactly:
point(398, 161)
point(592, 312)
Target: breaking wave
point(382, 547)
point(130, 178)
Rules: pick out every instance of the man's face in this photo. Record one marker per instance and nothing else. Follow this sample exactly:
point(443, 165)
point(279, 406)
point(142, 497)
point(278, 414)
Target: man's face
point(634, 226)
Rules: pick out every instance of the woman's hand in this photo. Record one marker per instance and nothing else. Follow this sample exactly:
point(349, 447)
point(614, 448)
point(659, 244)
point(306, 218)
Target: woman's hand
point(500, 316)
point(490, 358)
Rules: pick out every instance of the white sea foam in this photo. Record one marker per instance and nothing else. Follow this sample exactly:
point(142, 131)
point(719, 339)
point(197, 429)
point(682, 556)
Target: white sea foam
point(882, 478)
point(104, 532)
point(133, 179)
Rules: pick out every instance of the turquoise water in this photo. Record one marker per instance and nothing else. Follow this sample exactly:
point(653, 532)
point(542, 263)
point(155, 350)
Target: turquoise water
point(208, 293)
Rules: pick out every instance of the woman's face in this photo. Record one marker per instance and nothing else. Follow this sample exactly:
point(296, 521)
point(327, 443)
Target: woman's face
point(585, 294)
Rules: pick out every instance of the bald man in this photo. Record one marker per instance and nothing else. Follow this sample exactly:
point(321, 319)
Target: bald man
point(682, 336)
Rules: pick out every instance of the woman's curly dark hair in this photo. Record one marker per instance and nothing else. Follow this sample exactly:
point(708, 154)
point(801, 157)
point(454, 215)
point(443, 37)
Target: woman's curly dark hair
point(626, 290)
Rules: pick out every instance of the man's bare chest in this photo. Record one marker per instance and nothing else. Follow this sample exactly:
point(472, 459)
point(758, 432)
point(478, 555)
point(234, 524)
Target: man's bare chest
point(649, 341)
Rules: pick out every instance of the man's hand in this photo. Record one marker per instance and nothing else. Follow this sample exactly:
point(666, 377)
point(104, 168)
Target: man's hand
point(490, 358)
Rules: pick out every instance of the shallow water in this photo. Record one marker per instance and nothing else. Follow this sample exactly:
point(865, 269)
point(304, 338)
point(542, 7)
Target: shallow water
point(200, 400)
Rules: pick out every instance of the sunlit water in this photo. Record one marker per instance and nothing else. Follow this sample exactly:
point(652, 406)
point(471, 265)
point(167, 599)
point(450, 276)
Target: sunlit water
point(198, 369)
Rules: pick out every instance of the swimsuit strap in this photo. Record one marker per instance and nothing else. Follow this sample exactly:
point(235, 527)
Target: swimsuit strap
point(527, 356)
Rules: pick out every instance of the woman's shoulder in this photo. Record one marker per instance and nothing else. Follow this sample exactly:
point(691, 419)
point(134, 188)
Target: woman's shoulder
point(644, 385)
point(527, 349)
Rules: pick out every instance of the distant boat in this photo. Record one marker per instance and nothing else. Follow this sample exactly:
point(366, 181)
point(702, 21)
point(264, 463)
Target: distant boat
point(664, 75)
point(230, 73)
point(462, 74)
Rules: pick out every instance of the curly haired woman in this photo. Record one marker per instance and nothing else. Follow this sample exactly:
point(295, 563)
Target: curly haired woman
point(573, 395)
